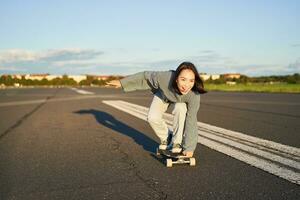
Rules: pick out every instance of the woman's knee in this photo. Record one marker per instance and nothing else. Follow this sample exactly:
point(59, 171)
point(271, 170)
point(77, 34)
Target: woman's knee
point(153, 119)
point(180, 108)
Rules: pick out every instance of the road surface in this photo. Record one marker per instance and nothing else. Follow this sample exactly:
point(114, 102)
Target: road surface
point(94, 143)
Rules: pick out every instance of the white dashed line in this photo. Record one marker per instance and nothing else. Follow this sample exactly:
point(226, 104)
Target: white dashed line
point(275, 158)
point(81, 91)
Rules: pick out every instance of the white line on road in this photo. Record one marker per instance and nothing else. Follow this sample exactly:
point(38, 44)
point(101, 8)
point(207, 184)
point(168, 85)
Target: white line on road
point(28, 102)
point(275, 158)
point(81, 91)
point(59, 99)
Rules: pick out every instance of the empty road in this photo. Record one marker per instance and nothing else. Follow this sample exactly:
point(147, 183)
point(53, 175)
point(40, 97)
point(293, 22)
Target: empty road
point(94, 143)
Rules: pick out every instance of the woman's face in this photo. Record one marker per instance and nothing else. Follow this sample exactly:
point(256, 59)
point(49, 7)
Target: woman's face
point(185, 81)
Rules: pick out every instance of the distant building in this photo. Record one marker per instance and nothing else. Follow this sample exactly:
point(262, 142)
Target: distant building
point(51, 77)
point(97, 77)
point(230, 75)
point(104, 77)
point(215, 76)
point(36, 76)
point(205, 76)
point(78, 78)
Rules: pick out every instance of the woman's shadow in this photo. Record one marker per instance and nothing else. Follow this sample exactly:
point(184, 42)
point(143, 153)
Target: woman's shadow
point(111, 122)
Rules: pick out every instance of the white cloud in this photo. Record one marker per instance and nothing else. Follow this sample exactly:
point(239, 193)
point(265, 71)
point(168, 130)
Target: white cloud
point(74, 63)
point(48, 61)
point(20, 55)
point(16, 55)
point(11, 68)
point(82, 61)
point(69, 54)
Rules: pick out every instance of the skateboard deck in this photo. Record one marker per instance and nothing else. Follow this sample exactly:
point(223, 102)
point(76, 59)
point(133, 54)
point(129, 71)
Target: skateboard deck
point(175, 158)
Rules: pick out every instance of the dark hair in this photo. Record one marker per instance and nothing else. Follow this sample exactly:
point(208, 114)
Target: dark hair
point(198, 86)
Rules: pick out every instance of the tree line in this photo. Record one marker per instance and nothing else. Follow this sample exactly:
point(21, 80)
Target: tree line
point(8, 80)
point(290, 79)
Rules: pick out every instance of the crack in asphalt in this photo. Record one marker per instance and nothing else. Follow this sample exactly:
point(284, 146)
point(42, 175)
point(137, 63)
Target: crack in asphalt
point(116, 146)
point(126, 159)
point(20, 121)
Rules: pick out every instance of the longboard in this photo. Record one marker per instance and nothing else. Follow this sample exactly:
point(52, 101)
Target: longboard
point(175, 158)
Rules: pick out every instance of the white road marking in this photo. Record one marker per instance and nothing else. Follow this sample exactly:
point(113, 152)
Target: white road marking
point(275, 158)
point(59, 99)
point(18, 103)
point(81, 91)
point(28, 102)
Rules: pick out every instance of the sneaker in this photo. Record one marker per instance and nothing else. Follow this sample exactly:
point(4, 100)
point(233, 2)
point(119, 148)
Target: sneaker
point(163, 145)
point(176, 148)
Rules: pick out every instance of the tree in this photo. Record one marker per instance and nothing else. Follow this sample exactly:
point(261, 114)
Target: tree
point(243, 79)
point(7, 80)
point(44, 81)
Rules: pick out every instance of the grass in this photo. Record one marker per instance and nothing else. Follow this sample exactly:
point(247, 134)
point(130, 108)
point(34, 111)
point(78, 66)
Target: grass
point(256, 87)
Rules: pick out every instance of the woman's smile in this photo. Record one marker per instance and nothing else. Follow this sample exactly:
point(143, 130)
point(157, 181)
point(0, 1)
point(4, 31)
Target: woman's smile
point(185, 81)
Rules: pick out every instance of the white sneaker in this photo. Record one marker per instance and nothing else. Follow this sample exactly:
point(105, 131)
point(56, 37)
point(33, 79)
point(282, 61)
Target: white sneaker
point(163, 145)
point(176, 148)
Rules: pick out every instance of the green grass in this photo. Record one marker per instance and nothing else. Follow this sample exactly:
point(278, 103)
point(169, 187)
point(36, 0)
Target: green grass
point(256, 87)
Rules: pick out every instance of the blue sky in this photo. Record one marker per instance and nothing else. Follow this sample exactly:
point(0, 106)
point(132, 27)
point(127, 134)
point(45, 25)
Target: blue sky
point(123, 37)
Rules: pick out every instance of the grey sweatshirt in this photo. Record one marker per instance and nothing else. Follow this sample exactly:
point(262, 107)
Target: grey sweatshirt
point(161, 85)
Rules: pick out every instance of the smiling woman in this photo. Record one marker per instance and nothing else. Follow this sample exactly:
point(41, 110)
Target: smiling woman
point(187, 78)
point(232, 40)
point(185, 81)
point(181, 88)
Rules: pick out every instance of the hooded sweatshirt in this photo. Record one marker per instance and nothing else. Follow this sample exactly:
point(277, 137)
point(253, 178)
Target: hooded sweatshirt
point(160, 83)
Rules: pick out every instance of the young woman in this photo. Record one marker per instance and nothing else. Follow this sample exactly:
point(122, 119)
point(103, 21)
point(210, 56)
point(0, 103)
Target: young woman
point(181, 88)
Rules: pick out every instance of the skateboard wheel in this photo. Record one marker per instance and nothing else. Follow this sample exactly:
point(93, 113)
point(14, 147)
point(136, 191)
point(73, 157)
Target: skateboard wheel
point(157, 152)
point(169, 162)
point(192, 162)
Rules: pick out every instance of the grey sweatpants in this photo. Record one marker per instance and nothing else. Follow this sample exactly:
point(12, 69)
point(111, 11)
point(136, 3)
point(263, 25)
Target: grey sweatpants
point(155, 118)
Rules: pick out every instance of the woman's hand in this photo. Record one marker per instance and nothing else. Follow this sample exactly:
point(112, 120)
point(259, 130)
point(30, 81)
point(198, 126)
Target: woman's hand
point(114, 83)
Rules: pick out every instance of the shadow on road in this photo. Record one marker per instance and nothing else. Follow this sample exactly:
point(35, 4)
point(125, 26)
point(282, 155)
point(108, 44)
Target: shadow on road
point(109, 121)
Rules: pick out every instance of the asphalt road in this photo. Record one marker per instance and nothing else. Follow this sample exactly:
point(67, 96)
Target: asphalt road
point(60, 144)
